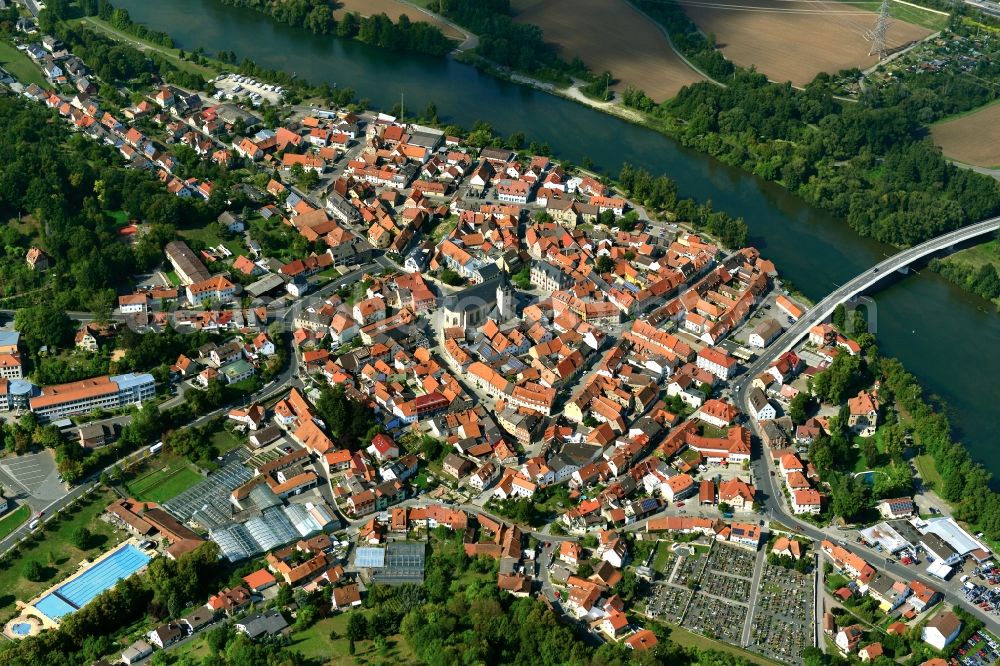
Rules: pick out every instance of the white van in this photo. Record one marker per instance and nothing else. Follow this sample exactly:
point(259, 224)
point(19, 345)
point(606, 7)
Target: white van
point(34, 523)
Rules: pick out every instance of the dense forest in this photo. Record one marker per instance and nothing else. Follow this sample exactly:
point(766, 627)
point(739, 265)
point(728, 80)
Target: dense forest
point(870, 162)
point(377, 30)
point(67, 191)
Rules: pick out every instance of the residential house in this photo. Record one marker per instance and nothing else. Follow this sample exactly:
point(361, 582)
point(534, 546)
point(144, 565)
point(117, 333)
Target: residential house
point(901, 507)
point(870, 652)
point(165, 634)
point(761, 409)
point(942, 630)
point(807, 501)
point(346, 597)
point(269, 623)
point(230, 600)
point(848, 638)
point(764, 333)
point(37, 259)
point(863, 418)
point(456, 466)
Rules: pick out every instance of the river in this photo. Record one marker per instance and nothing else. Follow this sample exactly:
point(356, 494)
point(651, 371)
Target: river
point(948, 338)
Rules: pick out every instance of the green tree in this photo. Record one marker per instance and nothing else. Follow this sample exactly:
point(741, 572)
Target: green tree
point(34, 571)
point(893, 440)
point(82, 538)
point(42, 325)
point(849, 496)
point(839, 317)
point(798, 408)
point(357, 627)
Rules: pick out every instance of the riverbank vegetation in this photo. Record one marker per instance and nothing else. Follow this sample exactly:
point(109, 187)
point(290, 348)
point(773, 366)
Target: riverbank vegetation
point(503, 41)
point(910, 426)
point(378, 30)
point(870, 162)
point(659, 193)
point(974, 269)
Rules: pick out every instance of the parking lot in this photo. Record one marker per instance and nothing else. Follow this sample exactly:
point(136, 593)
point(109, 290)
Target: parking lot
point(233, 86)
point(981, 649)
point(783, 615)
point(34, 475)
point(978, 589)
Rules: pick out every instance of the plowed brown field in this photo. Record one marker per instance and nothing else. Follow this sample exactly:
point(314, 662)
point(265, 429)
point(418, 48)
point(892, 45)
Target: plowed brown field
point(611, 35)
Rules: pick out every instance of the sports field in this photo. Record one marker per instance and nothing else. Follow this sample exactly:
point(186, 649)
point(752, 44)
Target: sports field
point(793, 40)
point(164, 483)
point(394, 9)
point(973, 138)
point(610, 35)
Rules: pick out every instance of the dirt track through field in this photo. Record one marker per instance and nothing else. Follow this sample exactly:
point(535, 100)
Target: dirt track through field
point(973, 139)
point(611, 35)
point(794, 41)
point(394, 9)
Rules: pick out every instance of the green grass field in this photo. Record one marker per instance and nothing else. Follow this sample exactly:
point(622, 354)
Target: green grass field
point(225, 441)
point(13, 520)
point(686, 638)
point(315, 643)
point(164, 483)
point(53, 548)
point(19, 65)
point(927, 470)
point(901, 12)
point(662, 553)
point(210, 235)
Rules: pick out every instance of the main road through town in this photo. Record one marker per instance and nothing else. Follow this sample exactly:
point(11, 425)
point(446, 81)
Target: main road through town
point(771, 493)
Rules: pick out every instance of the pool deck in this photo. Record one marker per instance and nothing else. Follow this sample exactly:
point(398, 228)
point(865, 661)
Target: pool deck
point(29, 611)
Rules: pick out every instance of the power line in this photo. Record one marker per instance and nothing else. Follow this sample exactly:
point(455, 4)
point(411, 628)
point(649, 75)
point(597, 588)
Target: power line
point(877, 34)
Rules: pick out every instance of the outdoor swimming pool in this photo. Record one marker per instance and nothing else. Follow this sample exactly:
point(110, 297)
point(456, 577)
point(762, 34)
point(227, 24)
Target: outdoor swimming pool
point(21, 628)
point(75, 594)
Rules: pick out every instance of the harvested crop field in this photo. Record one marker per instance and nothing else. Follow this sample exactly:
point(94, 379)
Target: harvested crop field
point(973, 138)
point(394, 9)
point(795, 41)
point(611, 35)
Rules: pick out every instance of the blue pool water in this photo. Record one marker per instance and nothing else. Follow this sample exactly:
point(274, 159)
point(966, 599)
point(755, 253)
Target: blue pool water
point(78, 592)
point(20, 628)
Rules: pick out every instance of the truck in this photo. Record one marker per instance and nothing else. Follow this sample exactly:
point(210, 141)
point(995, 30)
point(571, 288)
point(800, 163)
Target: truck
point(155, 448)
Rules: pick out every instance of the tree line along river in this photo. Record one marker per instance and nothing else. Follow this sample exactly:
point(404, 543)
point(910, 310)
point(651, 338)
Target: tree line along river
point(948, 338)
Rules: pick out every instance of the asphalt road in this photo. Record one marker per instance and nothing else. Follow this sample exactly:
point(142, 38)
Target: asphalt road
point(772, 496)
point(772, 499)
